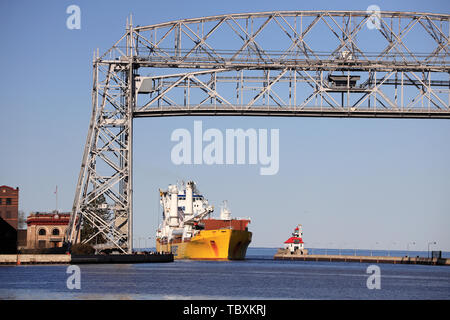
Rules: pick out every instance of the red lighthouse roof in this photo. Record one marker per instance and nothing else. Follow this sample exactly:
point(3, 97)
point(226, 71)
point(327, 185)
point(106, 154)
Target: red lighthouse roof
point(294, 240)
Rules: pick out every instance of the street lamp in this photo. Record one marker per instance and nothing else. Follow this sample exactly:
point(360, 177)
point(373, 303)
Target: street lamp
point(433, 242)
point(371, 251)
point(316, 245)
point(139, 239)
point(310, 248)
point(326, 250)
point(350, 247)
point(146, 241)
point(407, 246)
point(354, 248)
point(344, 244)
point(389, 250)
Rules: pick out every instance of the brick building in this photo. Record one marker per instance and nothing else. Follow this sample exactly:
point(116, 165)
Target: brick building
point(9, 205)
point(9, 212)
point(46, 230)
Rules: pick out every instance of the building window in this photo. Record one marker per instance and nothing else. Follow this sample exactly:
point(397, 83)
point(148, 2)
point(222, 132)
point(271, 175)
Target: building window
point(55, 232)
point(8, 201)
point(42, 232)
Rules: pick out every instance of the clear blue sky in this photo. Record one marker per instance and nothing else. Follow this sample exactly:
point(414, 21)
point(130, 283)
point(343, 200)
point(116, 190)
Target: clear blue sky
point(350, 182)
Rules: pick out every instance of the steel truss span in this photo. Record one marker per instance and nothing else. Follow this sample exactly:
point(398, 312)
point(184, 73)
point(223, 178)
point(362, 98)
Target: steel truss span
point(283, 63)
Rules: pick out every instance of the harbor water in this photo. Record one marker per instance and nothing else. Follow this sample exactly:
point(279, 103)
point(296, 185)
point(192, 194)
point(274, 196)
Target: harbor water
point(257, 277)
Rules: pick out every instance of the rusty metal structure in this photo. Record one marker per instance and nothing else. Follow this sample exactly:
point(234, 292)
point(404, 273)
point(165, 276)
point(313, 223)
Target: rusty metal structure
point(281, 63)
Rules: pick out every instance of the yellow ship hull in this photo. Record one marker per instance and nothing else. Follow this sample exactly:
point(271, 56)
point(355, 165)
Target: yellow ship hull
point(220, 244)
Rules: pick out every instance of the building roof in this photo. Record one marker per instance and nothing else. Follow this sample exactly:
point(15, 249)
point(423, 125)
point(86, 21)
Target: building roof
point(292, 240)
point(10, 188)
point(49, 214)
point(43, 218)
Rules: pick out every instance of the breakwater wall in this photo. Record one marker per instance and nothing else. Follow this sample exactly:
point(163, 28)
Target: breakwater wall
point(363, 259)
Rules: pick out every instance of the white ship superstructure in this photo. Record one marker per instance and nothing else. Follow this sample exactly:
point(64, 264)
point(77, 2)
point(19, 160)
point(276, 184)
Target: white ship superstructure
point(187, 224)
point(183, 208)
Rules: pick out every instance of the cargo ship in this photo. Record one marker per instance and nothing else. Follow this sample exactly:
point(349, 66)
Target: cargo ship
point(189, 231)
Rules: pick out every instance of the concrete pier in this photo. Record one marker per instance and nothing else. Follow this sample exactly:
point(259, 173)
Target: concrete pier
point(25, 259)
point(18, 259)
point(122, 258)
point(362, 259)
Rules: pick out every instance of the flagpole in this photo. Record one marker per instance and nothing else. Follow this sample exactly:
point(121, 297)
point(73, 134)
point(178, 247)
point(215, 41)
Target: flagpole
point(56, 193)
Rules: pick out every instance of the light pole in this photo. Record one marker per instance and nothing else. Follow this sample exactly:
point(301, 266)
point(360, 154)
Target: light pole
point(310, 248)
point(407, 246)
point(351, 247)
point(389, 250)
point(371, 251)
point(326, 250)
point(317, 246)
point(146, 243)
point(433, 242)
point(344, 244)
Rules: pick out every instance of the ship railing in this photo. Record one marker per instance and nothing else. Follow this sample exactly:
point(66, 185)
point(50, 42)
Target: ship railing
point(241, 218)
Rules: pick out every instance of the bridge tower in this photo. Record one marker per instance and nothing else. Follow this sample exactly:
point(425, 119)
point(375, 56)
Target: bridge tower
point(104, 192)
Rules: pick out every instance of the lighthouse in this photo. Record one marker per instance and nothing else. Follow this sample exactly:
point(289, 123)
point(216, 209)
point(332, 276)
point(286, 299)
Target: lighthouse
point(295, 243)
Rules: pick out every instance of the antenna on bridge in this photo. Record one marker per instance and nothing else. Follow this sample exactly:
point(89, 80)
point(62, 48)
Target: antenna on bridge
point(130, 38)
point(129, 24)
